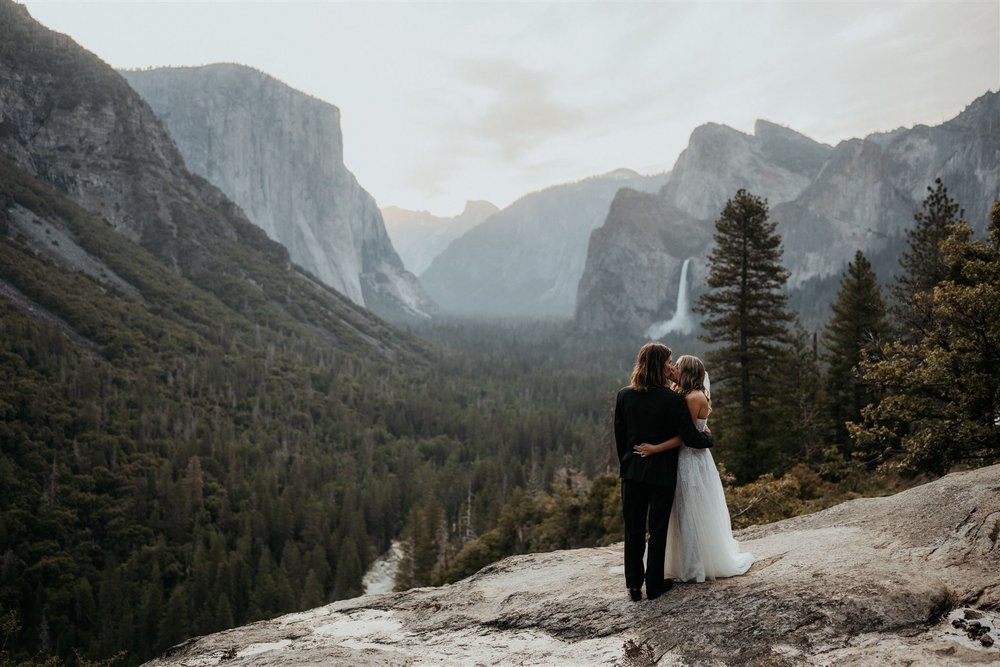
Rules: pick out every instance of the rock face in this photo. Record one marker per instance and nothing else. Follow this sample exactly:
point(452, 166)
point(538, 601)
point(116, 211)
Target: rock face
point(419, 236)
point(634, 264)
point(828, 202)
point(526, 260)
point(869, 189)
point(70, 121)
point(634, 260)
point(278, 153)
point(103, 146)
point(877, 580)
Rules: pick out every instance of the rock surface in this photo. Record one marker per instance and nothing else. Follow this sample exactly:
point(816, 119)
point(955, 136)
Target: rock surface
point(870, 581)
point(278, 153)
point(828, 202)
point(526, 260)
point(634, 260)
point(68, 120)
point(419, 236)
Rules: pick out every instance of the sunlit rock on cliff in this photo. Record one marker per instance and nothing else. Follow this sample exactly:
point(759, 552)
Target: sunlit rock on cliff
point(827, 202)
point(279, 154)
point(419, 236)
point(892, 581)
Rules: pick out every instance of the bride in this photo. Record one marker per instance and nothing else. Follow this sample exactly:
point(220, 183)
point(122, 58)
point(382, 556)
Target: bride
point(700, 542)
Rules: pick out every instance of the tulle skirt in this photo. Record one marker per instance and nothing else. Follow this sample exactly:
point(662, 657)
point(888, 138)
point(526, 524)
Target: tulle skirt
point(700, 542)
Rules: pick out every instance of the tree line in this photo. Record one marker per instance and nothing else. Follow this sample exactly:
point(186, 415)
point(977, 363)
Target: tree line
point(191, 460)
point(203, 469)
point(905, 382)
point(900, 384)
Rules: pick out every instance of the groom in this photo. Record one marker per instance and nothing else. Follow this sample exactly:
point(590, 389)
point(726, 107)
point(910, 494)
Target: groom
point(647, 411)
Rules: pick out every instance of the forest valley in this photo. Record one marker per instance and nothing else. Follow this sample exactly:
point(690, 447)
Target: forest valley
point(185, 468)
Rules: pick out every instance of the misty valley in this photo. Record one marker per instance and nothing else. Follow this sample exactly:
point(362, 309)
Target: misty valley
point(230, 382)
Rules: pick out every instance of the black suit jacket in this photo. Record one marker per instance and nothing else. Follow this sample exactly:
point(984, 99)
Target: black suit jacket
point(653, 416)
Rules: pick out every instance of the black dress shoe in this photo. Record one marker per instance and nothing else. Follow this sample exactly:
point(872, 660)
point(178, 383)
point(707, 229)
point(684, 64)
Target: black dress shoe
point(667, 585)
point(635, 594)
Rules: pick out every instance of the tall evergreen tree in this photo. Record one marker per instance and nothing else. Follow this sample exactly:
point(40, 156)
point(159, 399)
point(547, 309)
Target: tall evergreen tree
point(795, 405)
point(421, 545)
point(922, 263)
point(747, 317)
point(942, 390)
point(857, 325)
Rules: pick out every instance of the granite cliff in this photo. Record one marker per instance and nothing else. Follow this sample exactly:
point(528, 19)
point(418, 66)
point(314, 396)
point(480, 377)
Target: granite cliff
point(71, 123)
point(634, 260)
point(420, 236)
point(526, 260)
point(828, 202)
point(900, 580)
point(278, 153)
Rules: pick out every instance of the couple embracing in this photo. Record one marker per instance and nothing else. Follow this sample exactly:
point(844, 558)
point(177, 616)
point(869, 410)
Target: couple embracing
point(669, 477)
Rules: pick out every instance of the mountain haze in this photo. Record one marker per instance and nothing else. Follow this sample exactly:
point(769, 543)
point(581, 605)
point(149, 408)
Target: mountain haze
point(526, 260)
point(419, 236)
point(77, 126)
point(169, 380)
point(195, 432)
point(278, 153)
point(828, 202)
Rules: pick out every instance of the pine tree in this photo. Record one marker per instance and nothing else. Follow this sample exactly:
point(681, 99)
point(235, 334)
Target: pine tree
point(858, 324)
point(347, 578)
point(174, 621)
point(942, 391)
point(422, 544)
point(746, 314)
point(795, 403)
point(312, 592)
point(265, 590)
point(922, 262)
point(151, 611)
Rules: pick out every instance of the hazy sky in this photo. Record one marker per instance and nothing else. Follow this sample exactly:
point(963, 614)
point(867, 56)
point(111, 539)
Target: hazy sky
point(443, 102)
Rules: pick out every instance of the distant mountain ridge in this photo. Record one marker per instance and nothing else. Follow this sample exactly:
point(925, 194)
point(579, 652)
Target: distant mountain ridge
point(278, 153)
point(420, 236)
point(828, 202)
point(526, 260)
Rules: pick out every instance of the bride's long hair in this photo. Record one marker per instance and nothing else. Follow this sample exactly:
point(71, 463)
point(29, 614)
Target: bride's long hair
point(651, 367)
point(691, 375)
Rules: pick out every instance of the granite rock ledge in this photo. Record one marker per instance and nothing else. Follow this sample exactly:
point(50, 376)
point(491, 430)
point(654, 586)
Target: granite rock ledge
point(871, 581)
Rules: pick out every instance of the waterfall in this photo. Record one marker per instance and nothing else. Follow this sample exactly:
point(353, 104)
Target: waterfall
point(682, 322)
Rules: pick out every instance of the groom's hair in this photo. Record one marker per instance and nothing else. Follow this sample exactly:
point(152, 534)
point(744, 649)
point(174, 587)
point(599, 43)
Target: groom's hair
point(651, 367)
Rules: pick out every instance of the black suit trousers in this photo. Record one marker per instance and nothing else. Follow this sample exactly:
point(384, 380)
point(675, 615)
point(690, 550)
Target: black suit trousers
point(642, 502)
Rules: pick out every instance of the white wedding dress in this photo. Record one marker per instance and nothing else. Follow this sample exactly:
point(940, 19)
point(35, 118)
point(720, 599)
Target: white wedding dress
point(700, 542)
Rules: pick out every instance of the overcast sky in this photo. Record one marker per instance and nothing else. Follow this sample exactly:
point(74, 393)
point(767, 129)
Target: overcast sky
point(444, 102)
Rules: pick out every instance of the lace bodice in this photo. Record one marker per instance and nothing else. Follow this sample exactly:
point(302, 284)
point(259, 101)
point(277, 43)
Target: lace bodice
point(701, 424)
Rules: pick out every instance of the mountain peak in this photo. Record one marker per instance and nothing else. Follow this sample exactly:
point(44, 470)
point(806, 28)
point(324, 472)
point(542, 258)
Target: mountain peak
point(420, 236)
point(233, 77)
point(708, 131)
point(763, 129)
point(478, 207)
point(622, 173)
point(278, 153)
point(791, 149)
point(982, 113)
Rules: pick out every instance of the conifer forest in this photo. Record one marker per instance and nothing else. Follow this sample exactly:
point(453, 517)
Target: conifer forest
point(183, 470)
point(197, 433)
